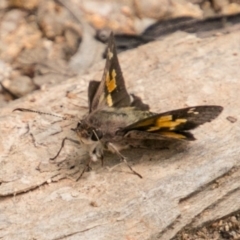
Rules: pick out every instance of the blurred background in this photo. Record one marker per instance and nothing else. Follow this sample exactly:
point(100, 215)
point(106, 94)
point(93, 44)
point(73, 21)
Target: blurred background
point(44, 42)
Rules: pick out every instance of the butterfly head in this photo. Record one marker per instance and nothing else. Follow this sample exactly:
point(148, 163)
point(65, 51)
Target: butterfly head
point(86, 133)
point(90, 138)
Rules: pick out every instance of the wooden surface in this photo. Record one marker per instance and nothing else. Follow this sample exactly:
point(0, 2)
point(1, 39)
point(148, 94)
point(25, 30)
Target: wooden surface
point(184, 186)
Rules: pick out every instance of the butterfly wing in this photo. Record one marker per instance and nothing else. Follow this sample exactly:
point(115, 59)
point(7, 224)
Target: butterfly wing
point(111, 91)
point(173, 124)
point(92, 89)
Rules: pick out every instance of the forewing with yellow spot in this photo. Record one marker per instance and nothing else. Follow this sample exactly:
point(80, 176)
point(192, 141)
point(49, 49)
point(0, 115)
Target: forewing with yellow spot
point(111, 91)
point(175, 124)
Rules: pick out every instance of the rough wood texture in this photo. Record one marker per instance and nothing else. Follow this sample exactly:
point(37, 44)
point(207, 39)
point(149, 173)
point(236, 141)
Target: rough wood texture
point(188, 186)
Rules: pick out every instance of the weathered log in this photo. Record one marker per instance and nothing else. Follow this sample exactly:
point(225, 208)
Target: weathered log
point(187, 186)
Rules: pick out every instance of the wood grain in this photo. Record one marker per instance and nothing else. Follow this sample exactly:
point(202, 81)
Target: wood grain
point(185, 186)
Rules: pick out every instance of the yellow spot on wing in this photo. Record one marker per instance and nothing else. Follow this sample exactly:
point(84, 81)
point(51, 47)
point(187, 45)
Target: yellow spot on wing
point(109, 100)
point(111, 82)
point(164, 119)
point(191, 110)
point(166, 122)
point(146, 123)
point(156, 121)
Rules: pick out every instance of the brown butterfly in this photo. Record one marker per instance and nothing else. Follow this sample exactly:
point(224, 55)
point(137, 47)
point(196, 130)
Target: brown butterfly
point(118, 120)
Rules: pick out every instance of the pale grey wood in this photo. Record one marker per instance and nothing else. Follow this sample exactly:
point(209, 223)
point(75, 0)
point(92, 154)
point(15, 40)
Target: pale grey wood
point(180, 187)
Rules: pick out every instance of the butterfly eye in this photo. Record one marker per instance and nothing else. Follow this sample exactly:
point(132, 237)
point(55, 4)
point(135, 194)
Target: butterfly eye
point(79, 124)
point(96, 135)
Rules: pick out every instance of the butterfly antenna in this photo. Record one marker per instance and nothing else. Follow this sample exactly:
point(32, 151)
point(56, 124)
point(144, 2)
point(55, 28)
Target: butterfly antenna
point(38, 112)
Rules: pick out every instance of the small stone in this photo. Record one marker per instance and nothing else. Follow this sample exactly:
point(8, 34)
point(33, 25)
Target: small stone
point(25, 4)
point(227, 228)
point(231, 119)
point(234, 234)
point(233, 219)
point(74, 193)
point(49, 180)
point(93, 204)
point(20, 86)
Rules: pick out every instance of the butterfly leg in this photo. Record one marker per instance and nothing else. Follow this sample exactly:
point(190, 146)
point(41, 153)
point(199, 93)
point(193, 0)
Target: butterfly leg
point(87, 166)
point(63, 143)
point(122, 158)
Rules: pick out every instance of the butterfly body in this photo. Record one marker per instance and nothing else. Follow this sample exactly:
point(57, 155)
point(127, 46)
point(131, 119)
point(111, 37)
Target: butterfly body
point(110, 120)
point(107, 124)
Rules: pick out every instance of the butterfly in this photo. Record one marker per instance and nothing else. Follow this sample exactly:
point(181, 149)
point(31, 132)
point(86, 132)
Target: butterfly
point(117, 120)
